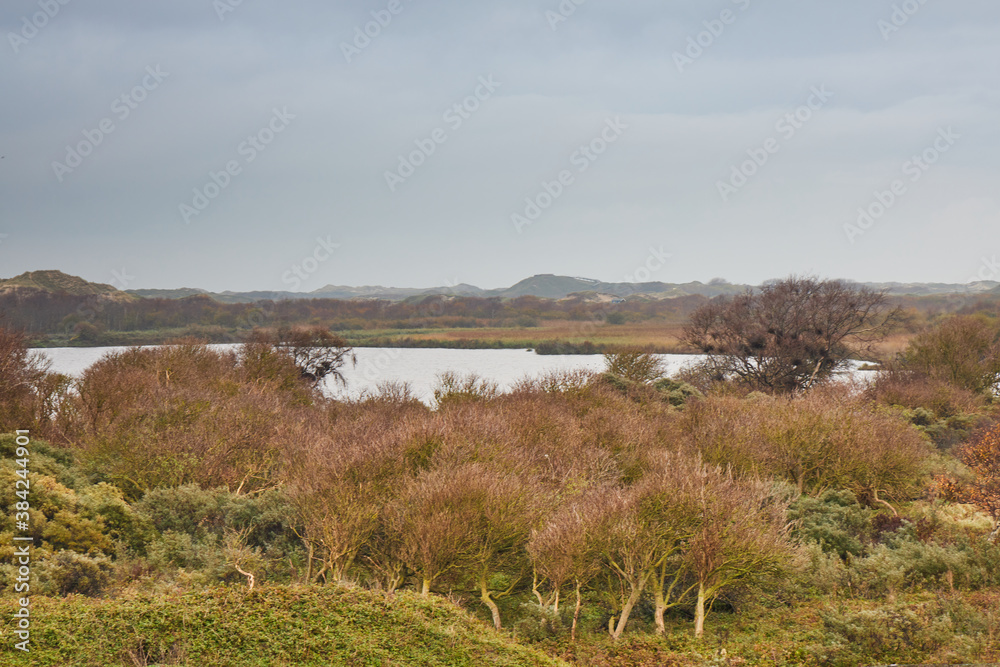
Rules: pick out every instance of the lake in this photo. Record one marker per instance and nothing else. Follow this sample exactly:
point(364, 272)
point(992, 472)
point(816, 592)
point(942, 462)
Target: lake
point(417, 366)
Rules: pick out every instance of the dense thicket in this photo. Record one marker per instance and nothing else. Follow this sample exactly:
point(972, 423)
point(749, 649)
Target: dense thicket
point(605, 502)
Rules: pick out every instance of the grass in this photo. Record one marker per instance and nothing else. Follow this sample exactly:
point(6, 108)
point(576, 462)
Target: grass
point(660, 337)
point(270, 626)
point(655, 337)
point(652, 336)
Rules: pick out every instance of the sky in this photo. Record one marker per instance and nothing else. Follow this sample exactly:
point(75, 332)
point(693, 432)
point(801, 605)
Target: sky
point(251, 145)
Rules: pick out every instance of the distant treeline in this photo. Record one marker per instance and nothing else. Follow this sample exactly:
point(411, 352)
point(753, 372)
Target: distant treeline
point(97, 320)
point(48, 313)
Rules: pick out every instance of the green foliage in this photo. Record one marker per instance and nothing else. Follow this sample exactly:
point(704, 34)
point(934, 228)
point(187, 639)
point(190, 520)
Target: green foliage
point(537, 623)
point(834, 520)
point(191, 525)
point(676, 392)
point(69, 572)
point(271, 626)
point(904, 634)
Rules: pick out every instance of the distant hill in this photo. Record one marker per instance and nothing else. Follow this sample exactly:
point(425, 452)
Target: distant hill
point(931, 289)
point(57, 282)
point(388, 293)
point(547, 286)
point(181, 293)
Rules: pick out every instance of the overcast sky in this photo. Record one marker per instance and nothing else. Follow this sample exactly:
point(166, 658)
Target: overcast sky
point(116, 114)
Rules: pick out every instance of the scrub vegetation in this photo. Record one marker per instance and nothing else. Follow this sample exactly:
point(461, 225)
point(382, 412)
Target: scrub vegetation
point(197, 506)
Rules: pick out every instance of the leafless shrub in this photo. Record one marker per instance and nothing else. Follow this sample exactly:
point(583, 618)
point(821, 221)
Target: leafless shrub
point(789, 335)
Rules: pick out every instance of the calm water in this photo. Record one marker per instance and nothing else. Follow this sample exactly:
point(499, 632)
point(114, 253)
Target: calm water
point(419, 367)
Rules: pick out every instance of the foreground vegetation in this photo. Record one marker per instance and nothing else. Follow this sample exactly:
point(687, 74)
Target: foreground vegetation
point(268, 627)
point(201, 502)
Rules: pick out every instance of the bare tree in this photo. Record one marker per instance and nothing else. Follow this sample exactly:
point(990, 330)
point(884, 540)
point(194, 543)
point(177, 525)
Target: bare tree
point(645, 530)
point(789, 334)
point(431, 521)
point(742, 535)
point(316, 351)
point(564, 551)
point(504, 523)
point(25, 384)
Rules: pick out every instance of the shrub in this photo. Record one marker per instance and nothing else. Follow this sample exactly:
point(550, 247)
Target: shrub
point(29, 394)
point(823, 440)
point(676, 392)
point(905, 633)
point(634, 365)
point(186, 414)
point(834, 520)
point(69, 572)
point(963, 350)
point(537, 623)
point(452, 389)
point(982, 456)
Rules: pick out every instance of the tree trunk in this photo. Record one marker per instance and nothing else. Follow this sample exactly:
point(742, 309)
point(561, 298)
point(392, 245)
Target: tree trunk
point(699, 612)
point(425, 589)
point(484, 594)
point(576, 612)
point(633, 598)
point(309, 568)
point(555, 607)
point(661, 607)
point(394, 579)
point(534, 588)
point(994, 535)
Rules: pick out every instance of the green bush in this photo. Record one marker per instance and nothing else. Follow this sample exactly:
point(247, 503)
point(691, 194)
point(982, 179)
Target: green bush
point(834, 520)
point(192, 527)
point(676, 392)
point(69, 572)
point(538, 623)
point(947, 631)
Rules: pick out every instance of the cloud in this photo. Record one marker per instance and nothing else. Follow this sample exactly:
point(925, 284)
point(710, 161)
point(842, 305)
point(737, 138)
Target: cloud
point(325, 174)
